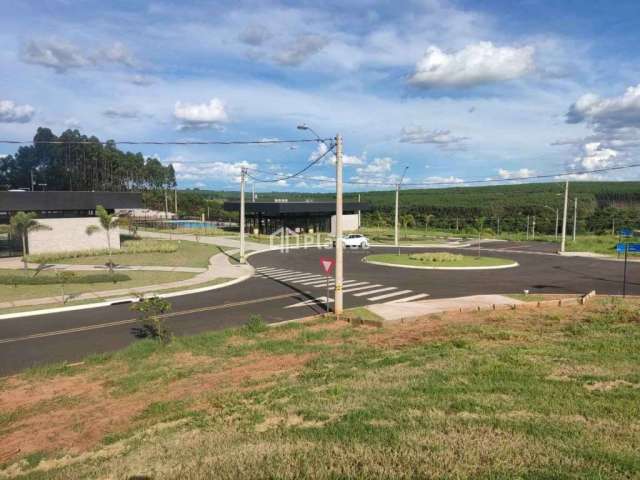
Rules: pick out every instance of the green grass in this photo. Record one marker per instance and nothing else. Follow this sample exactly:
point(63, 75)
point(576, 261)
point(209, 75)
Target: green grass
point(187, 254)
point(540, 394)
point(604, 244)
point(10, 293)
point(459, 261)
point(411, 235)
point(363, 313)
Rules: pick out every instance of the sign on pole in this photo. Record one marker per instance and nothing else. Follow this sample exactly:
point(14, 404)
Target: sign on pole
point(626, 232)
point(327, 265)
point(629, 247)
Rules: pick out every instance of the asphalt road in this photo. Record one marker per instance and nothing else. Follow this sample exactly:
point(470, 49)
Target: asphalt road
point(285, 279)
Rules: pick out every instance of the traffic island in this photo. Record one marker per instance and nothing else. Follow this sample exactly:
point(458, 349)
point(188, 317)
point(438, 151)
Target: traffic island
point(439, 261)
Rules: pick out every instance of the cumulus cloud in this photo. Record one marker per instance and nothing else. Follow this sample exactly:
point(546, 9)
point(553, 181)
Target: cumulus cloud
point(140, 80)
point(61, 55)
point(305, 46)
point(200, 115)
point(10, 112)
point(254, 35)
point(475, 64)
point(594, 156)
point(607, 113)
point(378, 171)
point(215, 171)
point(520, 173)
point(420, 135)
point(321, 149)
point(444, 180)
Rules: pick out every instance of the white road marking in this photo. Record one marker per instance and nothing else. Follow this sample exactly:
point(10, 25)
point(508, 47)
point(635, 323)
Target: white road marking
point(360, 288)
point(272, 270)
point(313, 301)
point(385, 289)
point(389, 295)
point(410, 299)
point(357, 284)
point(290, 276)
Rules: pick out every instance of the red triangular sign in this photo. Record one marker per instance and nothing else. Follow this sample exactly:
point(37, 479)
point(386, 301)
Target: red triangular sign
point(327, 264)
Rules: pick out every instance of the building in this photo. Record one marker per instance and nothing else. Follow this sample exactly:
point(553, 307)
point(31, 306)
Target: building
point(269, 217)
point(67, 214)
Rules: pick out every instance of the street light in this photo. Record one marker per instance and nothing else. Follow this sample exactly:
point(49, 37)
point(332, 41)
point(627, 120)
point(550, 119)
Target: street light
point(337, 303)
point(557, 218)
point(397, 203)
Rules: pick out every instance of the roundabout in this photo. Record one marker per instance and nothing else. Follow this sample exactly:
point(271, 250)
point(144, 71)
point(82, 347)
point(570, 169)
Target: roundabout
point(439, 261)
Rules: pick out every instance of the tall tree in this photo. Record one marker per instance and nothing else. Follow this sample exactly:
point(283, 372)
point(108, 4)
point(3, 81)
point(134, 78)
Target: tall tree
point(21, 224)
point(108, 222)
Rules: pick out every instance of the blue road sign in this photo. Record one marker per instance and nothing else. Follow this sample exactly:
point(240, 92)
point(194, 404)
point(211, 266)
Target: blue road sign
point(626, 232)
point(631, 247)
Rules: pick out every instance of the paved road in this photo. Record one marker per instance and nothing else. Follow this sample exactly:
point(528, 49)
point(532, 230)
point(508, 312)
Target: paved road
point(286, 279)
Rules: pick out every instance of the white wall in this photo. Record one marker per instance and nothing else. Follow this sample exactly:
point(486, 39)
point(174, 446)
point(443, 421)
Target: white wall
point(69, 234)
point(349, 223)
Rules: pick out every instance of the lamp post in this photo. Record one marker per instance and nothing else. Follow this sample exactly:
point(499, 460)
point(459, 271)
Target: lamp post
point(243, 173)
point(395, 233)
point(575, 217)
point(564, 217)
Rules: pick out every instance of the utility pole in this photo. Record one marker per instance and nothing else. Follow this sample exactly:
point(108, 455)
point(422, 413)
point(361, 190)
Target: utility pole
point(175, 200)
point(533, 229)
point(575, 217)
point(359, 214)
point(243, 172)
point(527, 227)
point(396, 229)
point(557, 220)
point(337, 305)
point(253, 192)
point(498, 226)
point(564, 217)
point(166, 205)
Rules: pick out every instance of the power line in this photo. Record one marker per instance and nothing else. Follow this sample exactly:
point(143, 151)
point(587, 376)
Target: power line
point(298, 173)
point(153, 142)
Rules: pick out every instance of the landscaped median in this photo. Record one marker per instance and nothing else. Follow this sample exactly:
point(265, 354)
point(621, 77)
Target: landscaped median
point(439, 261)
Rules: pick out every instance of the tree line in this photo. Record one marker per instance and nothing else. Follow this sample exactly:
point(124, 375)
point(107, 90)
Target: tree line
point(92, 166)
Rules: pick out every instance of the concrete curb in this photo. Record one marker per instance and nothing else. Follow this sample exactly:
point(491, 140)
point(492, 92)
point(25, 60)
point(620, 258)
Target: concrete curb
point(423, 245)
point(495, 267)
point(121, 300)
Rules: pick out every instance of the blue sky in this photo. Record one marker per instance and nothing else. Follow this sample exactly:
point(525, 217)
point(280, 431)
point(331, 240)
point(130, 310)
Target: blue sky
point(456, 90)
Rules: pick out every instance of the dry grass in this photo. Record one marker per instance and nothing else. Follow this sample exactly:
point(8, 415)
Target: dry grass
point(552, 393)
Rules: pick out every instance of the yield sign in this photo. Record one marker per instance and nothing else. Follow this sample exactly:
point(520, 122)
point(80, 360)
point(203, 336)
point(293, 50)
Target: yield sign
point(327, 264)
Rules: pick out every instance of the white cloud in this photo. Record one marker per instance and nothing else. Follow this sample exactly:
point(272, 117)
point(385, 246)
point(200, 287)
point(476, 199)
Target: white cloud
point(444, 180)
point(607, 113)
point(520, 173)
point(303, 47)
point(116, 53)
point(215, 171)
point(254, 35)
point(475, 64)
point(321, 149)
point(594, 156)
point(200, 115)
point(123, 113)
point(140, 80)
point(10, 112)
point(420, 135)
point(72, 123)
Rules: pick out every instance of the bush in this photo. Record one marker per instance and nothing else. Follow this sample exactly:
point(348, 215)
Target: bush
point(256, 324)
point(151, 312)
point(438, 257)
point(55, 280)
point(128, 247)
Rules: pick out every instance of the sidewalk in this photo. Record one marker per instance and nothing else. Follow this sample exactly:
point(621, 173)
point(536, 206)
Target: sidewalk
point(211, 240)
point(219, 268)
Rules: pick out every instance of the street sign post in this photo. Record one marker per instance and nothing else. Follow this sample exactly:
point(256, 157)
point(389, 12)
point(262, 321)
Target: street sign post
point(626, 248)
point(327, 265)
point(626, 232)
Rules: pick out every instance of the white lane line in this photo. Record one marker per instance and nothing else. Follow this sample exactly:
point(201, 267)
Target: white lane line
point(409, 299)
point(389, 295)
point(360, 288)
point(386, 289)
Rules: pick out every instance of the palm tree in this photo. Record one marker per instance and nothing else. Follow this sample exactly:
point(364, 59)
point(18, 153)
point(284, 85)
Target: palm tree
point(407, 220)
point(108, 221)
point(21, 224)
point(427, 218)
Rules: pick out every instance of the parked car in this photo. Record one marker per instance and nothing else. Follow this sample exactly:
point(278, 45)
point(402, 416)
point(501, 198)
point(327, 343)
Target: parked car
point(354, 240)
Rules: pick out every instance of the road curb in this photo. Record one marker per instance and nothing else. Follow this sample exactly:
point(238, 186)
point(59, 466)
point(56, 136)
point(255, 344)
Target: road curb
point(415, 267)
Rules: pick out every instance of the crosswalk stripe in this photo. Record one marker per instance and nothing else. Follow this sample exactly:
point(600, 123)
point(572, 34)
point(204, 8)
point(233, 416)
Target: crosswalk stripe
point(389, 295)
point(288, 276)
point(310, 282)
point(357, 284)
point(271, 269)
point(276, 272)
point(360, 288)
point(310, 278)
point(385, 289)
point(331, 282)
point(409, 299)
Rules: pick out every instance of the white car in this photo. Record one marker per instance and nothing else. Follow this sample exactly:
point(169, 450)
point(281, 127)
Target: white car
point(354, 240)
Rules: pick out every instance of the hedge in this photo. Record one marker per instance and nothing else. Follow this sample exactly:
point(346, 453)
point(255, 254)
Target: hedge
point(129, 247)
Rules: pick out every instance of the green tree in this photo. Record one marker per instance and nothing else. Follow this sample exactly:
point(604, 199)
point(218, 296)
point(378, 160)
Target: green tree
point(407, 220)
point(21, 224)
point(152, 311)
point(108, 222)
point(427, 218)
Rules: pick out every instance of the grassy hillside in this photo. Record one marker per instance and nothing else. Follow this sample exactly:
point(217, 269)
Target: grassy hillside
point(551, 393)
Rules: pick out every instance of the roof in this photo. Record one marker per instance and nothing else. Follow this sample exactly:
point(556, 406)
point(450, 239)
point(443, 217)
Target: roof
point(70, 201)
point(280, 208)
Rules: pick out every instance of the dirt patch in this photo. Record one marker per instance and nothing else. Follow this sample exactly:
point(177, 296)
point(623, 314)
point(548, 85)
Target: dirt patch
point(611, 385)
point(77, 428)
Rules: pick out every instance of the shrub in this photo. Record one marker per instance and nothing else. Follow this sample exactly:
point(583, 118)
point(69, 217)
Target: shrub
point(437, 257)
point(151, 311)
point(128, 247)
point(256, 324)
point(55, 280)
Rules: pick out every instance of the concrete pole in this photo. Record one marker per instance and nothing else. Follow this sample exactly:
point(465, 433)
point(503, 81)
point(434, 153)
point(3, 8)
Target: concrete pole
point(564, 218)
point(359, 214)
point(533, 229)
point(527, 227)
point(253, 192)
point(166, 205)
point(575, 217)
point(337, 306)
point(175, 200)
point(395, 232)
point(243, 172)
point(557, 221)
